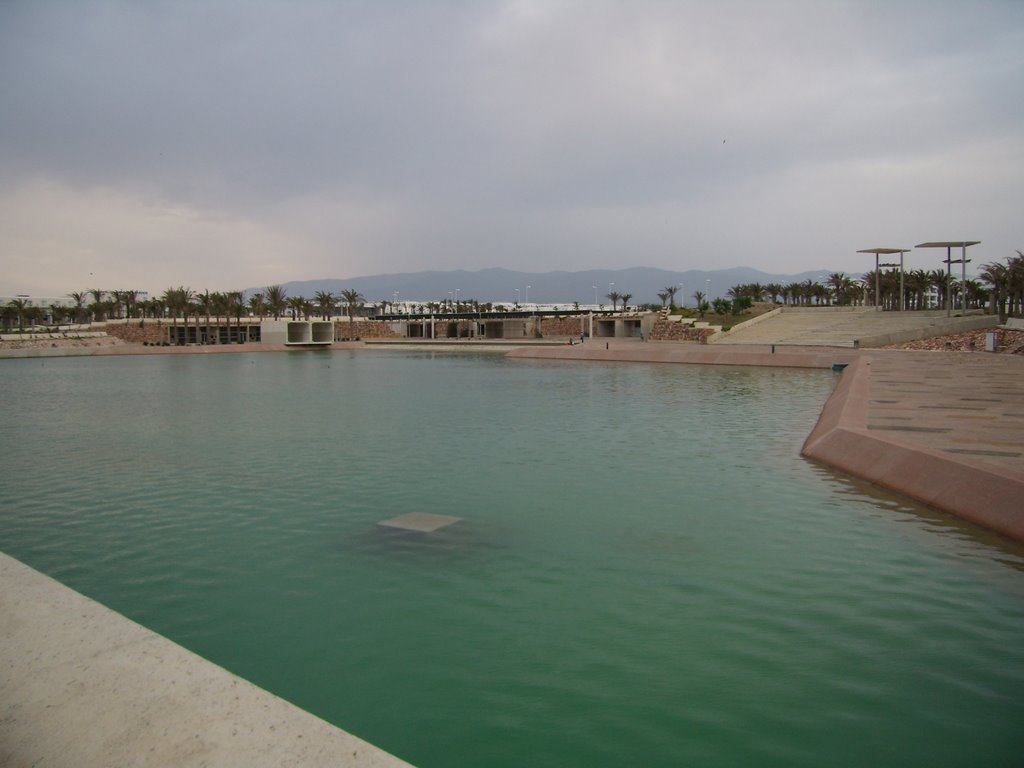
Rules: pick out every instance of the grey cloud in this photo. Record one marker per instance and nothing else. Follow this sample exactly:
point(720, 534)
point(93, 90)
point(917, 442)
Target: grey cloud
point(493, 131)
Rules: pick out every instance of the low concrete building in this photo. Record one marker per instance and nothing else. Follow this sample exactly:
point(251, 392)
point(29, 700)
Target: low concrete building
point(297, 333)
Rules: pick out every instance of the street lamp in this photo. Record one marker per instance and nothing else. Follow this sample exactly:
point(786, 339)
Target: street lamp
point(528, 294)
point(595, 295)
point(707, 290)
point(449, 300)
point(394, 303)
point(682, 295)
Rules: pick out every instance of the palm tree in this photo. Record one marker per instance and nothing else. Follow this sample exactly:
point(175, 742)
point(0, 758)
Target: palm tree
point(671, 290)
point(179, 300)
point(326, 300)
point(939, 280)
point(234, 304)
point(204, 305)
point(275, 297)
point(352, 299)
point(998, 276)
point(19, 307)
point(663, 295)
point(1015, 265)
point(294, 304)
point(97, 303)
point(702, 305)
point(79, 299)
point(625, 297)
point(257, 306)
point(614, 297)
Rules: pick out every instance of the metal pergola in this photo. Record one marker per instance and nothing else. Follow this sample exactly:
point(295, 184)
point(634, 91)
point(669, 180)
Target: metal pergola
point(949, 245)
point(886, 251)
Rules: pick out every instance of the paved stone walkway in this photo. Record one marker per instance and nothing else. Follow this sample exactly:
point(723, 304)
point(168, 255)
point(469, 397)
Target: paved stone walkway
point(843, 326)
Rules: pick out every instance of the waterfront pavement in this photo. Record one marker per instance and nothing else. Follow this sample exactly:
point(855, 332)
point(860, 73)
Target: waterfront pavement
point(83, 687)
point(943, 428)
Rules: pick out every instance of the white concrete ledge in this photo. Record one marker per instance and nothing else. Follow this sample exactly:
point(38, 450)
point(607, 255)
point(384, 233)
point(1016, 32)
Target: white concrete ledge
point(84, 687)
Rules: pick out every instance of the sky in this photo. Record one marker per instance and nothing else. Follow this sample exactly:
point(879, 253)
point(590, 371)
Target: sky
point(223, 145)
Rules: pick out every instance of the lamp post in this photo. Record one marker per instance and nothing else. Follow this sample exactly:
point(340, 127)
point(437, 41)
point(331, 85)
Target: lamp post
point(457, 299)
point(707, 290)
point(527, 294)
point(682, 295)
point(394, 302)
point(595, 295)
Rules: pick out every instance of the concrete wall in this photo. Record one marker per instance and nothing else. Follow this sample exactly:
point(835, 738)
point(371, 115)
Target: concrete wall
point(936, 328)
point(84, 687)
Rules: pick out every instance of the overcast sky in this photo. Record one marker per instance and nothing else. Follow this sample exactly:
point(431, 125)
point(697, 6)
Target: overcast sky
point(223, 145)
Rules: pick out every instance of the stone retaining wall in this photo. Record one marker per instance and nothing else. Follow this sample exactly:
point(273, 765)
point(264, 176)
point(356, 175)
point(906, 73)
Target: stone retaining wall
point(668, 330)
point(133, 333)
point(363, 329)
point(561, 326)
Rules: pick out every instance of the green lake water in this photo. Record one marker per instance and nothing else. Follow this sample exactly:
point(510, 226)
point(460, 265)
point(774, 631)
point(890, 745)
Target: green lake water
point(647, 573)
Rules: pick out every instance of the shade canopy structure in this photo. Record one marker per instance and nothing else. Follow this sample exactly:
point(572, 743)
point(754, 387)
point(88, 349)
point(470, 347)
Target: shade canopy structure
point(949, 245)
point(886, 251)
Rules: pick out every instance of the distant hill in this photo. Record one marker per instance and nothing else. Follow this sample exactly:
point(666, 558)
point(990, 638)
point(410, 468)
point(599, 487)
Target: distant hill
point(499, 285)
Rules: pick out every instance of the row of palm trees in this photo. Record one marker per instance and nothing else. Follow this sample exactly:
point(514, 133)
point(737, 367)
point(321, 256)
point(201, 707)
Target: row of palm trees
point(1005, 281)
point(615, 297)
point(919, 288)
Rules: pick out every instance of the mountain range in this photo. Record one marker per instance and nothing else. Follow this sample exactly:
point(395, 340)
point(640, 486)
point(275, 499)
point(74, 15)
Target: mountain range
point(504, 285)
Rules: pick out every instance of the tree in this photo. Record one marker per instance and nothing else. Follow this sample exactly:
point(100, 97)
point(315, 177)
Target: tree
point(257, 305)
point(19, 308)
point(663, 295)
point(97, 307)
point(625, 297)
point(294, 304)
point(275, 297)
point(939, 280)
point(614, 297)
point(235, 304)
point(702, 305)
point(353, 299)
point(79, 299)
point(326, 300)
point(998, 276)
point(671, 290)
point(204, 302)
point(179, 300)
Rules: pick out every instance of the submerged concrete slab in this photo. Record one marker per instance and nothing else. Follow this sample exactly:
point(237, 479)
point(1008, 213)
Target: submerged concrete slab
point(82, 686)
point(424, 522)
